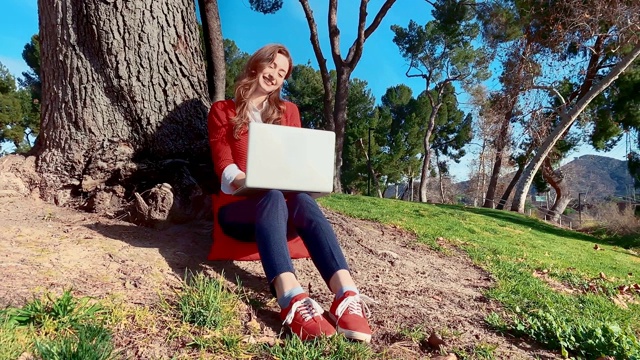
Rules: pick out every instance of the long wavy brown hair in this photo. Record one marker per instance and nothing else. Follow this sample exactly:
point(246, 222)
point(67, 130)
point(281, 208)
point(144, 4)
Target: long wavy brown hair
point(247, 83)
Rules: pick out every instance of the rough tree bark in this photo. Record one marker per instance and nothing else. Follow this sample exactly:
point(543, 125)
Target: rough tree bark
point(335, 105)
point(123, 105)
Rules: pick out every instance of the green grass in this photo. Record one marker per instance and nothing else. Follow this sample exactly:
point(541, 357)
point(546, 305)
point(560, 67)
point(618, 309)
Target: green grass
point(480, 351)
point(56, 328)
point(205, 317)
point(89, 342)
point(511, 247)
point(206, 302)
point(54, 315)
point(630, 241)
point(336, 347)
point(214, 311)
point(13, 340)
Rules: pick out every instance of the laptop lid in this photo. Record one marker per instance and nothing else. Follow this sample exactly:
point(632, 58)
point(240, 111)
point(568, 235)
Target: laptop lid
point(290, 158)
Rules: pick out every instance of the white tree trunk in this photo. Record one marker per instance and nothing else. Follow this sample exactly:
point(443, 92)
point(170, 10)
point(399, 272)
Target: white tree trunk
point(568, 118)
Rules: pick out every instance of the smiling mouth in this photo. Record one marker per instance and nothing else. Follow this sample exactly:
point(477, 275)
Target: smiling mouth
point(269, 82)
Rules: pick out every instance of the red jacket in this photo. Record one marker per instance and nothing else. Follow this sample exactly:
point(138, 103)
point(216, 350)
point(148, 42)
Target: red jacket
point(225, 148)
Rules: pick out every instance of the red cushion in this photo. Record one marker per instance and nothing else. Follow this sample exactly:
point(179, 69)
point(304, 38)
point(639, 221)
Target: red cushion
point(227, 248)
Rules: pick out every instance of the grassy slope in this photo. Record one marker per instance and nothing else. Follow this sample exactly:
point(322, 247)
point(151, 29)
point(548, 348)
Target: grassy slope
point(512, 247)
point(585, 324)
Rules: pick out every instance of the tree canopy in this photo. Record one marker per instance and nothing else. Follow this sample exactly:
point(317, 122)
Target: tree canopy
point(19, 112)
point(441, 52)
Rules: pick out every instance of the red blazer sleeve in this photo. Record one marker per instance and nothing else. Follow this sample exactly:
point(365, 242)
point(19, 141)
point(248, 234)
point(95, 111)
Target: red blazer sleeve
point(293, 114)
point(219, 131)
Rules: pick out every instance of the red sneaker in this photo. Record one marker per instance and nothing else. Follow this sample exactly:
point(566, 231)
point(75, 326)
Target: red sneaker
point(350, 314)
point(304, 318)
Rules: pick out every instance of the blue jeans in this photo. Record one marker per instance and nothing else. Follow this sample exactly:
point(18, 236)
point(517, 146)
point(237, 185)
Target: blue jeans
point(267, 218)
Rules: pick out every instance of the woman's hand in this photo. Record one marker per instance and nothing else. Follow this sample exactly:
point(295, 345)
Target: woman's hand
point(238, 182)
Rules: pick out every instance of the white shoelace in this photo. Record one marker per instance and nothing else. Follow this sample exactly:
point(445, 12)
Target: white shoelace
point(355, 305)
point(307, 307)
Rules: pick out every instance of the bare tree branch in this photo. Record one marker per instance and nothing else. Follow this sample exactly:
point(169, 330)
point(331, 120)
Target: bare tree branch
point(322, 62)
point(356, 47)
point(334, 33)
point(379, 16)
point(355, 51)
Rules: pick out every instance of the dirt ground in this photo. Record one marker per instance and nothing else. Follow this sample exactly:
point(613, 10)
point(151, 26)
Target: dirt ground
point(47, 248)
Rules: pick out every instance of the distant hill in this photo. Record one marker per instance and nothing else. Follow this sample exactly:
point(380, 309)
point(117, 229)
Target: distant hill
point(596, 176)
point(599, 176)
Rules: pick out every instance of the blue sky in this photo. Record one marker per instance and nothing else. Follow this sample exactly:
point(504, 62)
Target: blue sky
point(381, 64)
point(18, 22)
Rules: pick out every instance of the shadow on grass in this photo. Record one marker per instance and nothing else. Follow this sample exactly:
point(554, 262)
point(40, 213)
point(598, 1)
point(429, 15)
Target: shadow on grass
point(631, 241)
point(521, 220)
point(185, 248)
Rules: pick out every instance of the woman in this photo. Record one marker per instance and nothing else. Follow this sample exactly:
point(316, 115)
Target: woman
point(270, 214)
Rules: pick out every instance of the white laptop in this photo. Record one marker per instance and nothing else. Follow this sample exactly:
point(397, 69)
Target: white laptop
point(290, 159)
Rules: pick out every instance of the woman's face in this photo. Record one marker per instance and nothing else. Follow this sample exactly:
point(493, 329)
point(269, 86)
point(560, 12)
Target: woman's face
point(272, 77)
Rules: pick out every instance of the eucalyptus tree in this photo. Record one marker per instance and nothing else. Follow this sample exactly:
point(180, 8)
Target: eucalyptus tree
point(451, 133)
point(590, 43)
point(505, 104)
point(442, 52)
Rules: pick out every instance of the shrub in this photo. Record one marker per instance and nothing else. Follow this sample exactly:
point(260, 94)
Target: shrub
point(617, 221)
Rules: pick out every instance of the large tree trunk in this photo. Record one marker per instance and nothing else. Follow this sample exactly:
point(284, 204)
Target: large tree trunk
point(559, 206)
point(501, 143)
point(556, 180)
point(509, 189)
point(424, 174)
point(214, 49)
point(340, 121)
point(440, 180)
point(568, 117)
point(123, 98)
